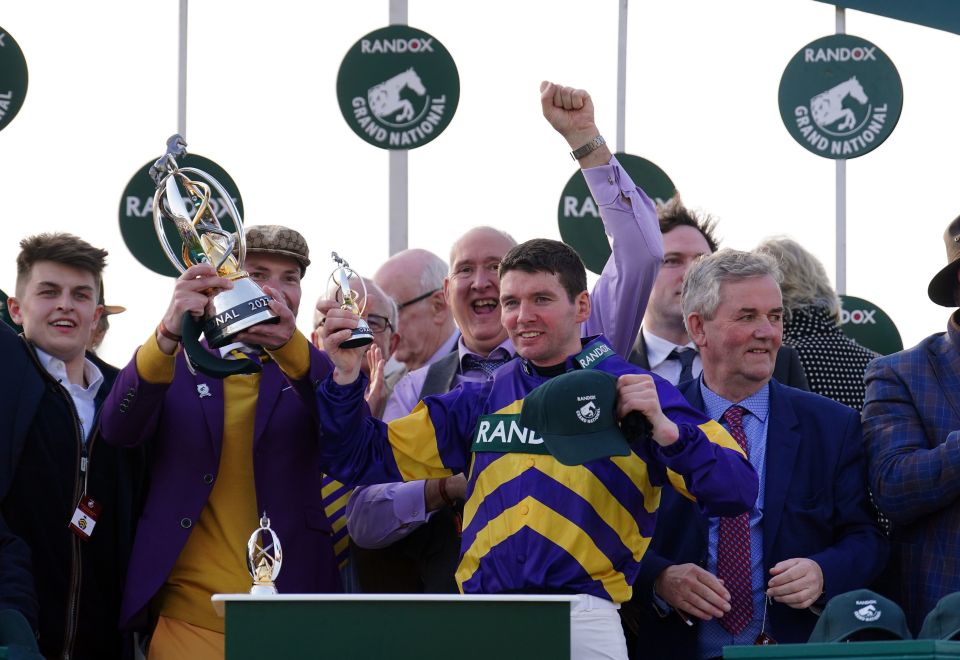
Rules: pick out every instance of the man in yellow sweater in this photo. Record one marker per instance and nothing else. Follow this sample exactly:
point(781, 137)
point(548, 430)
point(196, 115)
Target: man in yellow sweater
point(223, 451)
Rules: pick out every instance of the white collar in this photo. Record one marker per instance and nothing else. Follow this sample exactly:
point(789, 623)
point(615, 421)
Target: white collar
point(658, 348)
point(58, 369)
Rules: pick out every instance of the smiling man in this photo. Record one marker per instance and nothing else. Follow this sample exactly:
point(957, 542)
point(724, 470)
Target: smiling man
point(663, 345)
point(392, 512)
point(812, 533)
point(68, 497)
point(593, 515)
point(224, 451)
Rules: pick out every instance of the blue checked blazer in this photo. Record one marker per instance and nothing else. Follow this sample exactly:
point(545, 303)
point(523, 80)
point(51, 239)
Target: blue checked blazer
point(911, 427)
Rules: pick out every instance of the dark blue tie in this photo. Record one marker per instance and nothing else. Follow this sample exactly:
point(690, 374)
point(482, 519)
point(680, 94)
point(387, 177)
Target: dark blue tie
point(685, 358)
point(486, 365)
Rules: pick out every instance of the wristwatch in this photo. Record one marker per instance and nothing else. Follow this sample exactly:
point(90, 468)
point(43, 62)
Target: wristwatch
point(590, 146)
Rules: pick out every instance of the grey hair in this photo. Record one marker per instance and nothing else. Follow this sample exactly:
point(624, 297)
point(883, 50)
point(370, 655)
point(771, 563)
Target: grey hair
point(433, 273)
point(701, 285)
point(372, 287)
point(805, 282)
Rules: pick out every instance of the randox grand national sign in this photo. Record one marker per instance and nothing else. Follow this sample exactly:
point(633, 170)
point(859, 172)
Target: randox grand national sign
point(579, 216)
point(136, 213)
point(13, 78)
point(870, 326)
point(840, 96)
point(398, 87)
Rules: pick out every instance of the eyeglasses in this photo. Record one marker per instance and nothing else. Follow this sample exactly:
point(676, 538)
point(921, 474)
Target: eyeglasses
point(414, 301)
point(376, 322)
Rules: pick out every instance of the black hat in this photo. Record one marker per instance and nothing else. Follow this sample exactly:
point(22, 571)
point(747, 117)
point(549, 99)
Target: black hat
point(575, 414)
point(943, 287)
point(943, 622)
point(847, 616)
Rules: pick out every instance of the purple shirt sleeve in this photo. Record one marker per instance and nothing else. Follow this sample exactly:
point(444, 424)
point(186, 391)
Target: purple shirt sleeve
point(387, 513)
point(405, 395)
point(620, 296)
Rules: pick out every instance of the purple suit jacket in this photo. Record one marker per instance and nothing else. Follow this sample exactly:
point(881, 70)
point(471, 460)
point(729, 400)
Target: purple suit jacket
point(184, 432)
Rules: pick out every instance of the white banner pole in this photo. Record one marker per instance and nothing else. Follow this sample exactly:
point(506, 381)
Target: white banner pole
point(622, 79)
point(399, 185)
point(182, 73)
point(841, 275)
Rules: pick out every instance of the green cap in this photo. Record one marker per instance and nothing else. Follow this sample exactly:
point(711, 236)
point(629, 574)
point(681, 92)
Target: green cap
point(943, 622)
point(575, 414)
point(860, 615)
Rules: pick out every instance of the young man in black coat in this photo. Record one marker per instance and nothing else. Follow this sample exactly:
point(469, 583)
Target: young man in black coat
point(67, 500)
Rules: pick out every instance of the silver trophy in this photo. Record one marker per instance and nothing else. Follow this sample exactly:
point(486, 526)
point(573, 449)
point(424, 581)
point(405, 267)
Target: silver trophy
point(347, 297)
point(264, 558)
point(206, 241)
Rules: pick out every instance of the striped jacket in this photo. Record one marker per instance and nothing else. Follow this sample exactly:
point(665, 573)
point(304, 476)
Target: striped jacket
point(532, 524)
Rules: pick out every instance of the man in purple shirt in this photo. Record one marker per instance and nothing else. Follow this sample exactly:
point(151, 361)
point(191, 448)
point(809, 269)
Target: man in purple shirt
point(379, 516)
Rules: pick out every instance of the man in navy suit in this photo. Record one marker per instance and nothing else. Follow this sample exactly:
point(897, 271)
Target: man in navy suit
point(713, 582)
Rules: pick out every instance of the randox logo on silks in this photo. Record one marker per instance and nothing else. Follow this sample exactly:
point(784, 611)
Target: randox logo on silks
point(398, 87)
point(13, 78)
point(840, 96)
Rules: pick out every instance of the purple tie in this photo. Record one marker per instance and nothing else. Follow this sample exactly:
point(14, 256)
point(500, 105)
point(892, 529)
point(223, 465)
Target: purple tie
point(486, 365)
point(733, 547)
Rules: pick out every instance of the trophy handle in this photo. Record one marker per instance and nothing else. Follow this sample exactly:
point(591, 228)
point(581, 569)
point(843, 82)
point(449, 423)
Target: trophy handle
point(215, 367)
point(231, 209)
point(180, 215)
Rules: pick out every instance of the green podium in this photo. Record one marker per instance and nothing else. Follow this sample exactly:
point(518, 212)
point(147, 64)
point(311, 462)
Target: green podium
point(918, 649)
point(396, 626)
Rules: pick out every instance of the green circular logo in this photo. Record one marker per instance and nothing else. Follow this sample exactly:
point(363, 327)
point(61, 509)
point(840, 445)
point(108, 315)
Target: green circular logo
point(136, 213)
point(840, 96)
point(398, 87)
point(579, 216)
point(13, 78)
point(869, 325)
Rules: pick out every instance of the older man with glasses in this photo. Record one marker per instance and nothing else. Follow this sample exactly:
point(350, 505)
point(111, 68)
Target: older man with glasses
point(414, 278)
point(380, 313)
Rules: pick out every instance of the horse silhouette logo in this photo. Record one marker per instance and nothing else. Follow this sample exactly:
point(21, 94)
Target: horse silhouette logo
point(868, 613)
point(385, 101)
point(588, 413)
point(827, 107)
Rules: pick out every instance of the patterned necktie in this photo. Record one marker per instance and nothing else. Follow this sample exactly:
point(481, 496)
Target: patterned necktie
point(685, 358)
point(486, 365)
point(333, 499)
point(733, 547)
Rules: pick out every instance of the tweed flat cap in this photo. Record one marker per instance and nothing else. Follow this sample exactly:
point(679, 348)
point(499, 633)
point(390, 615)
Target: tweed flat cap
point(276, 239)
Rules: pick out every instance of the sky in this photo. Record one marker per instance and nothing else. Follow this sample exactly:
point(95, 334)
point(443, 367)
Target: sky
point(701, 103)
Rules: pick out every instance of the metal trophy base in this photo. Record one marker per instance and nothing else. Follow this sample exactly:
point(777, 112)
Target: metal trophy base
point(360, 336)
point(263, 590)
point(241, 307)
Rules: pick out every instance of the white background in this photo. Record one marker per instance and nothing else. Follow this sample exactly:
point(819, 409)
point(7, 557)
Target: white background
point(701, 103)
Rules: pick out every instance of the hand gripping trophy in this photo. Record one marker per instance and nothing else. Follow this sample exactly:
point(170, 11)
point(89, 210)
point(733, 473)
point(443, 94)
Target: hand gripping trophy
point(206, 241)
point(264, 558)
point(347, 297)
